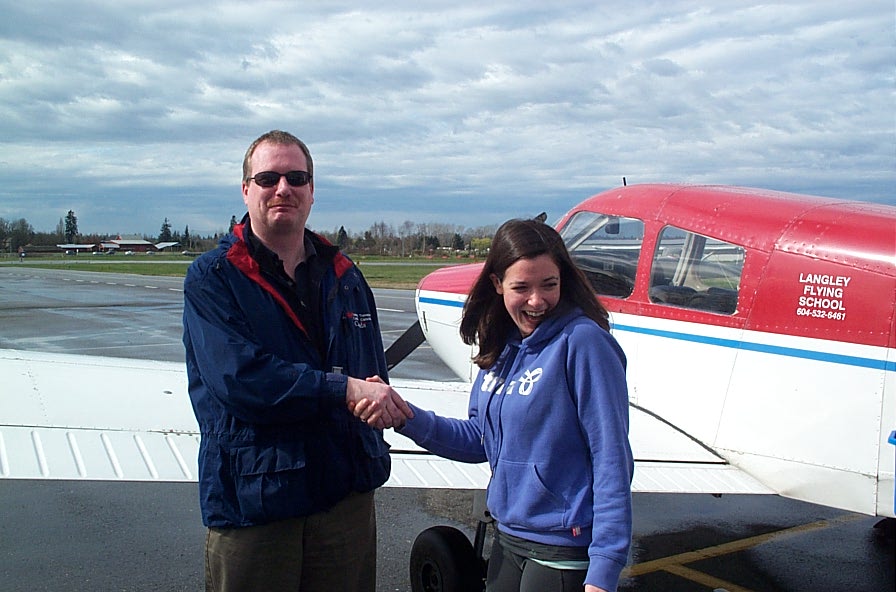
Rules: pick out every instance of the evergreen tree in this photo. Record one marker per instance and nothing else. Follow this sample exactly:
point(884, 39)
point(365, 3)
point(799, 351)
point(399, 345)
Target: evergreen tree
point(342, 238)
point(71, 227)
point(165, 232)
point(233, 223)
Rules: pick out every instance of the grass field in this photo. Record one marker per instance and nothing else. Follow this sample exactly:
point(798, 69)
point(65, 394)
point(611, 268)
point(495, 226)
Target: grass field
point(380, 272)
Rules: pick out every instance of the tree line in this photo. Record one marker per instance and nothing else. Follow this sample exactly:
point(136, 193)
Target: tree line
point(412, 239)
point(409, 239)
point(20, 233)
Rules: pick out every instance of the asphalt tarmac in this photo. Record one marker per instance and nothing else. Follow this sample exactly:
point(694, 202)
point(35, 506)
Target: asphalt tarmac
point(74, 536)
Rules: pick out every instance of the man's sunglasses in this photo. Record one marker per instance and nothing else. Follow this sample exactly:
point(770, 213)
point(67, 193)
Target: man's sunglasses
point(271, 178)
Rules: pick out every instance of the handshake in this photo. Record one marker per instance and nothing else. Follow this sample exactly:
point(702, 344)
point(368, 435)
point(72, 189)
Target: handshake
point(375, 402)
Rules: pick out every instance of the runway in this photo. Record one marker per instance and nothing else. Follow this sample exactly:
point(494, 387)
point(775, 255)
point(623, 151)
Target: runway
point(148, 536)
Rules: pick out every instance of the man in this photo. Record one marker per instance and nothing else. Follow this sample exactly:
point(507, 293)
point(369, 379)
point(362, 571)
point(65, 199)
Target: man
point(281, 331)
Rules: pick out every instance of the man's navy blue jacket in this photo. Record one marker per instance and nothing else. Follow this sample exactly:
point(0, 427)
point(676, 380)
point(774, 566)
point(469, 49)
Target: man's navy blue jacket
point(277, 438)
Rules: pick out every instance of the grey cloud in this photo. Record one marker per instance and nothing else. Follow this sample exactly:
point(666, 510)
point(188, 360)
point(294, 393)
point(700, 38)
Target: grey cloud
point(494, 109)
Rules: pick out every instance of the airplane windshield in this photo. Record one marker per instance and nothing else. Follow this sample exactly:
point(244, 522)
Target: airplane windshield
point(606, 249)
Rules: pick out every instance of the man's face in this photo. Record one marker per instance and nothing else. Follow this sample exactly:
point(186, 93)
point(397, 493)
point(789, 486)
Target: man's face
point(281, 209)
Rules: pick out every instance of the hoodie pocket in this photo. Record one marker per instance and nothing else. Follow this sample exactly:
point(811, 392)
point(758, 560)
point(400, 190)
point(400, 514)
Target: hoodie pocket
point(519, 498)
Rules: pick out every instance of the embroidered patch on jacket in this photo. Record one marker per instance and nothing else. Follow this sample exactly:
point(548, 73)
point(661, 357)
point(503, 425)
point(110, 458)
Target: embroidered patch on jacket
point(359, 320)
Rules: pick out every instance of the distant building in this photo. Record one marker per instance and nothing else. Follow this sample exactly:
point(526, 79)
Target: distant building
point(133, 244)
point(167, 246)
point(73, 249)
point(38, 249)
point(120, 244)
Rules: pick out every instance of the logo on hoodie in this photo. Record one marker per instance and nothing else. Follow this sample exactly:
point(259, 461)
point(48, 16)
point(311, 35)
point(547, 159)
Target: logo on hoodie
point(528, 381)
point(523, 385)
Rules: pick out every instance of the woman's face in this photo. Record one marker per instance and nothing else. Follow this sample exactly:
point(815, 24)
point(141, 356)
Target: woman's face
point(531, 289)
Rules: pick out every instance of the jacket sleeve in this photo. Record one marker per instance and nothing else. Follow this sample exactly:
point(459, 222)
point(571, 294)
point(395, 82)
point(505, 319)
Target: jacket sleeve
point(228, 363)
point(596, 373)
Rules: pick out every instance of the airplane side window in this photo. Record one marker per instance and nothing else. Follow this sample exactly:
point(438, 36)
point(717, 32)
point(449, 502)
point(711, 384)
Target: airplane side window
point(606, 249)
point(694, 271)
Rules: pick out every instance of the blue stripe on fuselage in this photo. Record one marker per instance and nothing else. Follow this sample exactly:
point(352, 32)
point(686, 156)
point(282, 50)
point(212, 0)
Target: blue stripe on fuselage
point(440, 302)
point(731, 343)
point(765, 348)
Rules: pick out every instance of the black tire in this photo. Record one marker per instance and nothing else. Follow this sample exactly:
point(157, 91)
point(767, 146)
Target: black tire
point(442, 560)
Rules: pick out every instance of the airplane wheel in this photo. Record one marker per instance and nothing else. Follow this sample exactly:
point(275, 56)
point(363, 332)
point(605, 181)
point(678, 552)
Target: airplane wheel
point(443, 560)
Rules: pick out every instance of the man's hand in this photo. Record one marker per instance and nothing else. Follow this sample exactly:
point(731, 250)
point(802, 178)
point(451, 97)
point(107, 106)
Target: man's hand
point(376, 403)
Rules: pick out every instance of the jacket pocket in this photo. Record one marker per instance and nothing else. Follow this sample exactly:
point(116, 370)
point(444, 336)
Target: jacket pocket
point(373, 442)
point(270, 482)
point(371, 468)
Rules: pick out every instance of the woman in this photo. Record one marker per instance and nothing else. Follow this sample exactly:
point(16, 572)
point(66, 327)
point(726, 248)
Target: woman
point(549, 411)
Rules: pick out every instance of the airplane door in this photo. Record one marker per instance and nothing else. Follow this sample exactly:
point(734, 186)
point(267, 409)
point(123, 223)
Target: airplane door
point(686, 335)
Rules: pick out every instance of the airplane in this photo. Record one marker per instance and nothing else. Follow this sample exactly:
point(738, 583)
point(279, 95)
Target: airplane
point(760, 331)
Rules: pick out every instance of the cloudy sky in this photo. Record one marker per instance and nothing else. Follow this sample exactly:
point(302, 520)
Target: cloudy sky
point(129, 112)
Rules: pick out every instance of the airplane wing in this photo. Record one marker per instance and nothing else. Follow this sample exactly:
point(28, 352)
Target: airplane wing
point(666, 459)
point(83, 417)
